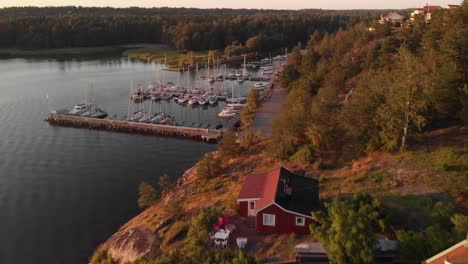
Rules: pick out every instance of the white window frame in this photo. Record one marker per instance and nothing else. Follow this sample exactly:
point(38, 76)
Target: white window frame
point(303, 221)
point(270, 217)
point(250, 205)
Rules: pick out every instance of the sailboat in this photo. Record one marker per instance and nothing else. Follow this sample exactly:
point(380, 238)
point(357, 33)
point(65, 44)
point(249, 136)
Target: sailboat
point(90, 109)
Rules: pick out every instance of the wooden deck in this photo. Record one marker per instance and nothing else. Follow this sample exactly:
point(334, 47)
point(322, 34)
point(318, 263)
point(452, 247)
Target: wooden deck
point(208, 135)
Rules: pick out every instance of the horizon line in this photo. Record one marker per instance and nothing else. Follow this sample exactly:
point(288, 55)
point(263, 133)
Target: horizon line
point(205, 8)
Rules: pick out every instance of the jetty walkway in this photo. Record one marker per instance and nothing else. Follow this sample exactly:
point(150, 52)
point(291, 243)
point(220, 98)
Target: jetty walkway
point(208, 135)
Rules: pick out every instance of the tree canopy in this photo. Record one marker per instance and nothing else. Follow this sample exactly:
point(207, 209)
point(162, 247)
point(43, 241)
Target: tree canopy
point(184, 28)
point(348, 230)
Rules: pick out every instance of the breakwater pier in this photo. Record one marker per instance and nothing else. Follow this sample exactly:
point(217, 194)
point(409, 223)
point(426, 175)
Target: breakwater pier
point(207, 135)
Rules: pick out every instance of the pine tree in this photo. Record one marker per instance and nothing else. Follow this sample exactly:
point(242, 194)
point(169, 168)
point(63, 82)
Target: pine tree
point(148, 195)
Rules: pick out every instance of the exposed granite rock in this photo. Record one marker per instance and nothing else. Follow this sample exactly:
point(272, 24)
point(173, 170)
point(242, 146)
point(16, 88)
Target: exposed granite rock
point(131, 244)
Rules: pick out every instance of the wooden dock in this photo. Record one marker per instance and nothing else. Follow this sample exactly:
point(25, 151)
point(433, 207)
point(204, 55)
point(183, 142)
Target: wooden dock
point(208, 135)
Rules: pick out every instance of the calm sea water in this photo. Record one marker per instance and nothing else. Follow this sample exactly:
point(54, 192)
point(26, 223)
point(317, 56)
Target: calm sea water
point(64, 190)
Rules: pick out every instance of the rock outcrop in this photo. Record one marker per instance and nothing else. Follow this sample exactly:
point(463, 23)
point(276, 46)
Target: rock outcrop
point(131, 244)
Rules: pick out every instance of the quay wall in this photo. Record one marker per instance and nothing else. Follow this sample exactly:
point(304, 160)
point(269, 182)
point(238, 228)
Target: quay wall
point(134, 127)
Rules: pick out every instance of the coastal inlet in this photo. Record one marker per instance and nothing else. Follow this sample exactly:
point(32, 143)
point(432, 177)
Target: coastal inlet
point(213, 88)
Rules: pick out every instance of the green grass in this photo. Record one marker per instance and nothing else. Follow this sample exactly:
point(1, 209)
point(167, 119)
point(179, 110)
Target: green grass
point(158, 54)
point(410, 212)
point(450, 162)
point(443, 159)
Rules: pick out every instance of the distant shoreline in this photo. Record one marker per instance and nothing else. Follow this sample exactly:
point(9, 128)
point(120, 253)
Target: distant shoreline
point(76, 51)
point(62, 52)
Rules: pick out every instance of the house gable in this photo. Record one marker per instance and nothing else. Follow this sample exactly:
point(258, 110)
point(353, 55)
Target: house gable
point(285, 222)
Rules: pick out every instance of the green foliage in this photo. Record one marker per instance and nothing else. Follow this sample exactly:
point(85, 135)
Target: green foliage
point(243, 258)
point(201, 225)
point(290, 125)
point(148, 195)
point(460, 222)
point(304, 156)
point(165, 184)
point(404, 102)
point(369, 90)
point(101, 257)
point(248, 113)
point(183, 28)
point(256, 43)
point(176, 230)
point(209, 167)
point(412, 247)
point(289, 75)
point(228, 146)
point(441, 213)
point(348, 230)
point(449, 160)
point(235, 49)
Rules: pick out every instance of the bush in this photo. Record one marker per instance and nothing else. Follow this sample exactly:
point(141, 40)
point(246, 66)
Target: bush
point(202, 224)
point(304, 156)
point(148, 195)
point(102, 257)
point(228, 146)
point(460, 222)
point(209, 167)
point(165, 184)
point(176, 230)
point(413, 247)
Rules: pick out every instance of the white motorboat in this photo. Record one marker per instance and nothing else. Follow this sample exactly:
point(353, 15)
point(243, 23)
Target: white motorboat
point(212, 100)
point(183, 99)
point(202, 101)
point(193, 100)
point(236, 106)
point(79, 109)
point(236, 100)
point(226, 113)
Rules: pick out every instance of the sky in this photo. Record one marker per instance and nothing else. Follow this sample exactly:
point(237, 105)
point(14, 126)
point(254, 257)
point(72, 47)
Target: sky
point(263, 4)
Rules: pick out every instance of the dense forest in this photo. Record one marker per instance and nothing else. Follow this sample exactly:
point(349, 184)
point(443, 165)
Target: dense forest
point(368, 87)
point(185, 29)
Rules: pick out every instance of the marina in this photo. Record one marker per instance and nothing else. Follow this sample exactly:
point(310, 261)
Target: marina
point(187, 93)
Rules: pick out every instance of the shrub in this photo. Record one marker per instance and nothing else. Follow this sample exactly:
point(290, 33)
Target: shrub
point(148, 195)
point(201, 225)
point(228, 146)
point(176, 230)
point(304, 156)
point(102, 257)
point(209, 167)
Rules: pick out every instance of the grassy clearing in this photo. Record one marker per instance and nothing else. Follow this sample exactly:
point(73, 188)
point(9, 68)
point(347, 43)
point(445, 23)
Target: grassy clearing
point(443, 159)
point(412, 212)
point(173, 56)
point(451, 165)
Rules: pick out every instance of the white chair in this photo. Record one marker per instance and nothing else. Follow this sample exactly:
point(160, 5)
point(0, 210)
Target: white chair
point(212, 237)
point(224, 243)
point(217, 243)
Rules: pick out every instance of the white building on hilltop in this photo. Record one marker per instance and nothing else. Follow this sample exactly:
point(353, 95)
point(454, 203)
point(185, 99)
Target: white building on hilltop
point(392, 17)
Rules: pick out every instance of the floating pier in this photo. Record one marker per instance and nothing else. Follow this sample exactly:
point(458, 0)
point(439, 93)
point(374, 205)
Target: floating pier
point(208, 135)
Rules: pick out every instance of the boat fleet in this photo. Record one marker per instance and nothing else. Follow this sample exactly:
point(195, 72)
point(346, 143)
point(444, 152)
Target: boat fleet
point(197, 95)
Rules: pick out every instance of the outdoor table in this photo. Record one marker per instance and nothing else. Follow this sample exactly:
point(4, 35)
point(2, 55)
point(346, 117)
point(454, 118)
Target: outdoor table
point(221, 235)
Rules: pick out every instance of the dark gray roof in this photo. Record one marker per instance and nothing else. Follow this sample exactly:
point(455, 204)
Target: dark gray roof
point(304, 198)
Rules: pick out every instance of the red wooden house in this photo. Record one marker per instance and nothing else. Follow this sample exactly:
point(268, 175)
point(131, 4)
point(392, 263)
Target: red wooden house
point(280, 201)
